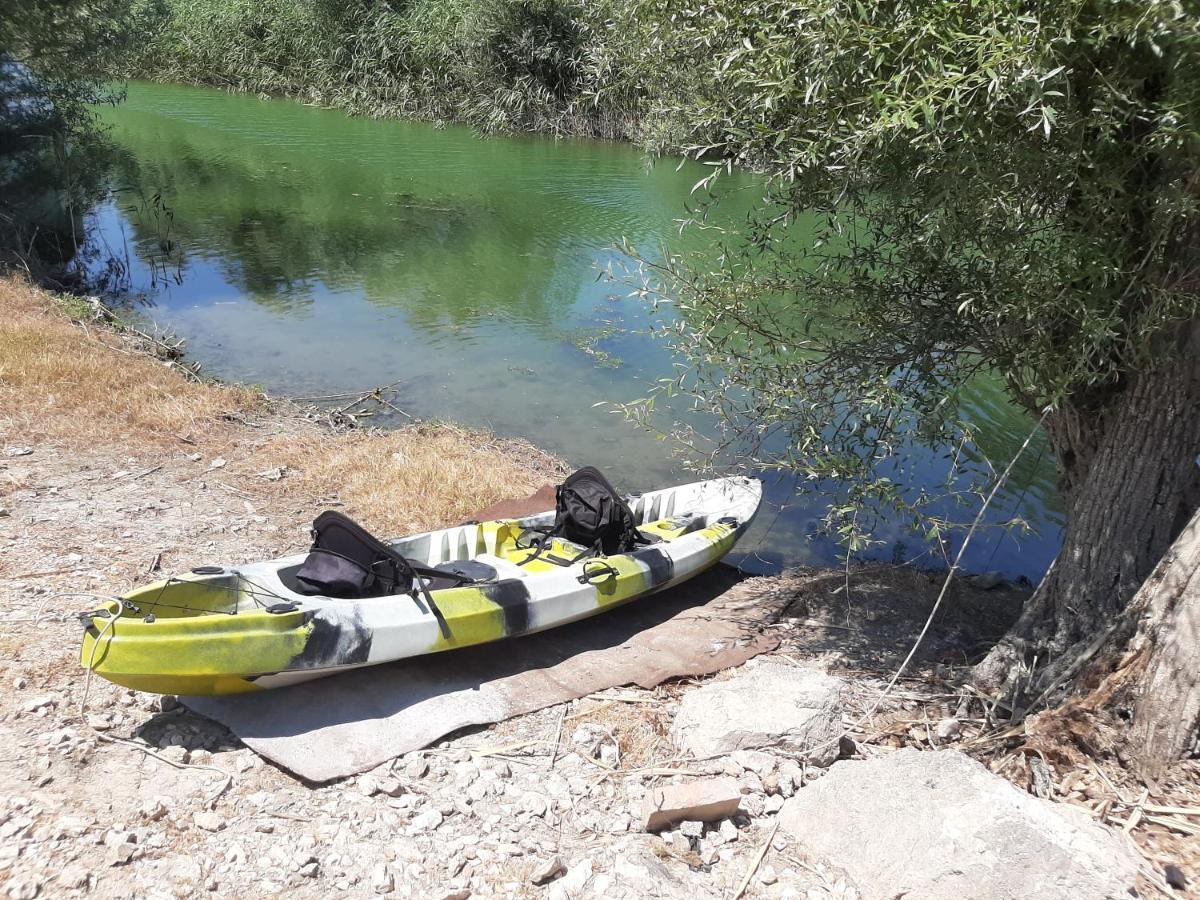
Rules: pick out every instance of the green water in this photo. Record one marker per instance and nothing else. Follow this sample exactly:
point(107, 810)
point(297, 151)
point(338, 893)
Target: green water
point(314, 253)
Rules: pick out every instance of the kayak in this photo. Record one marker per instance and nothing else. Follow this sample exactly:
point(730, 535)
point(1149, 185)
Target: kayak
point(228, 630)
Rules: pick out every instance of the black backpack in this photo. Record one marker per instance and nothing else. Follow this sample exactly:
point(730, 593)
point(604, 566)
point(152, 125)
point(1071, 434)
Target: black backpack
point(590, 512)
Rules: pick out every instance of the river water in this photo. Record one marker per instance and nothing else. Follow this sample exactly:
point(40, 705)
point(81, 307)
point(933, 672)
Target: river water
point(314, 253)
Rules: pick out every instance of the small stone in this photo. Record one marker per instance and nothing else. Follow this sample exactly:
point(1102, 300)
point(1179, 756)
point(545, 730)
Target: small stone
point(417, 768)
point(548, 871)
point(1173, 875)
point(18, 451)
point(389, 786)
point(23, 888)
point(427, 821)
point(988, 581)
point(755, 761)
point(382, 881)
point(767, 875)
point(121, 853)
point(174, 753)
point(948, 729)
point(591, 739)
point(576, 878)
point(751, 783)
point(754, 805)
point(367, 785)
point(208, 821)
point(678, 841)
point(535, 804)
point(691, 828)
point(19, 683)
point(705, 800)
point(728, 831)
point(310, 870)
point(609, 754)
point(218, 463)
point(154, 809)
point(73, 877)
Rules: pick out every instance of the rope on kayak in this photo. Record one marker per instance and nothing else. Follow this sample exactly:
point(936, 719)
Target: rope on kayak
point(100, 735)
point(256, 594)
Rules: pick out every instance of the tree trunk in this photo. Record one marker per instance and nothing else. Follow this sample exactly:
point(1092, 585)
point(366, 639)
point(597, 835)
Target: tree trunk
point(1131, 483)
point(1160, 676)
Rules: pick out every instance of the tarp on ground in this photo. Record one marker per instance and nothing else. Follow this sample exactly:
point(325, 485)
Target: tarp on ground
point(350, 723)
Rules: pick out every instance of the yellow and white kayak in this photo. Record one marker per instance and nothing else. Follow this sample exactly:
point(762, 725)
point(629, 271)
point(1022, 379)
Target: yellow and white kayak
point(247, 628)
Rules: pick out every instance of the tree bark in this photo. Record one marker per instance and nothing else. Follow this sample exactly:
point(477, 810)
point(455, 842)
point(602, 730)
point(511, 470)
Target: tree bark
point(1131, 483)
point(1160, 676)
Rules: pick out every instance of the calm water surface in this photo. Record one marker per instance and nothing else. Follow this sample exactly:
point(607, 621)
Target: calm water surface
point(314, 253)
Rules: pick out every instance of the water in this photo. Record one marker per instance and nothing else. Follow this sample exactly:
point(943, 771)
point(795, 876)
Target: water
point(312, 253)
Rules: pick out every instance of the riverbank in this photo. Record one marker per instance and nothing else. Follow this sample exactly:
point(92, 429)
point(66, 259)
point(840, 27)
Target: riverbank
point(556, 66)
point(73, 385)
point(115, 466)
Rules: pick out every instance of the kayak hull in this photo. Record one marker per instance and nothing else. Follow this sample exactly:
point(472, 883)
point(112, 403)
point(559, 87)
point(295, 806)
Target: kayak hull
point(234, 630)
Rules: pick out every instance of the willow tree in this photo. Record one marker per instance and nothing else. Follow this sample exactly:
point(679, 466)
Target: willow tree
point(995, 186)
point(56, 61)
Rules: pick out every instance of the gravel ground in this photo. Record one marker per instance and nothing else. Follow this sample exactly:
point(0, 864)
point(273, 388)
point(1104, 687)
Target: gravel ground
point(545, 805)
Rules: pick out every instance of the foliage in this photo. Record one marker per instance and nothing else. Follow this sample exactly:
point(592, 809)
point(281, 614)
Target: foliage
point(500, 65)
point(56, 57)
point(997, 187)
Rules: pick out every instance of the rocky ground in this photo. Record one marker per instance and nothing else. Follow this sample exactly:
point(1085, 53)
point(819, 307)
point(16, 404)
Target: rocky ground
point(132, 795)
point(548, 804)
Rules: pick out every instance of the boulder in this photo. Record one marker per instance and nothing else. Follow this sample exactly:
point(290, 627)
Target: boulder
point(942, 827)
point(772, 704)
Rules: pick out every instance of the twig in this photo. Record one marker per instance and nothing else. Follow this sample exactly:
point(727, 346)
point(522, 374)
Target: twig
point(758, 858)
point(1136, 815)
point(279, 814)
point(557, 737)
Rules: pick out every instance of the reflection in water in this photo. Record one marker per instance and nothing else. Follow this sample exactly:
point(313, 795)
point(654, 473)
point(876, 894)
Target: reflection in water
point(320, 253)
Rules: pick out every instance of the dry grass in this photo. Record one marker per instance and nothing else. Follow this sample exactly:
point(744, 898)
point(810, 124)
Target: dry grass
point(415, 478)
point(640, 729)
point(89, 388)
point(86, 386)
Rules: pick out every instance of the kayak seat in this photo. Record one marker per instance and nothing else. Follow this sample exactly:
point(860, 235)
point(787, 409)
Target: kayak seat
point(476, 570)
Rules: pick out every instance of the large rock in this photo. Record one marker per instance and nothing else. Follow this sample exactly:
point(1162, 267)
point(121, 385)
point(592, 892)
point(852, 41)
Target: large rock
point(769, 705)
point(942, 827)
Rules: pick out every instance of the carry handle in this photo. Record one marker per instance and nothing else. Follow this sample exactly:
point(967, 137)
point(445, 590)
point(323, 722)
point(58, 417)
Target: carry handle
point(597, 571)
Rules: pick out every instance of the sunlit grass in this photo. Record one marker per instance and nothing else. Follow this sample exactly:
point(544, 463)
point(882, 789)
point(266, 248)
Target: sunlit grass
point(82, 385)
point(415, 478)
point(87, 387)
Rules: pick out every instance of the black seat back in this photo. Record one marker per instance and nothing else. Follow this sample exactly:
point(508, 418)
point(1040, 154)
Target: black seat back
point(347, 561)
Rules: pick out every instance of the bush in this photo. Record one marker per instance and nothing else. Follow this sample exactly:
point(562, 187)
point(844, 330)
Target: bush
point(559, 66)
